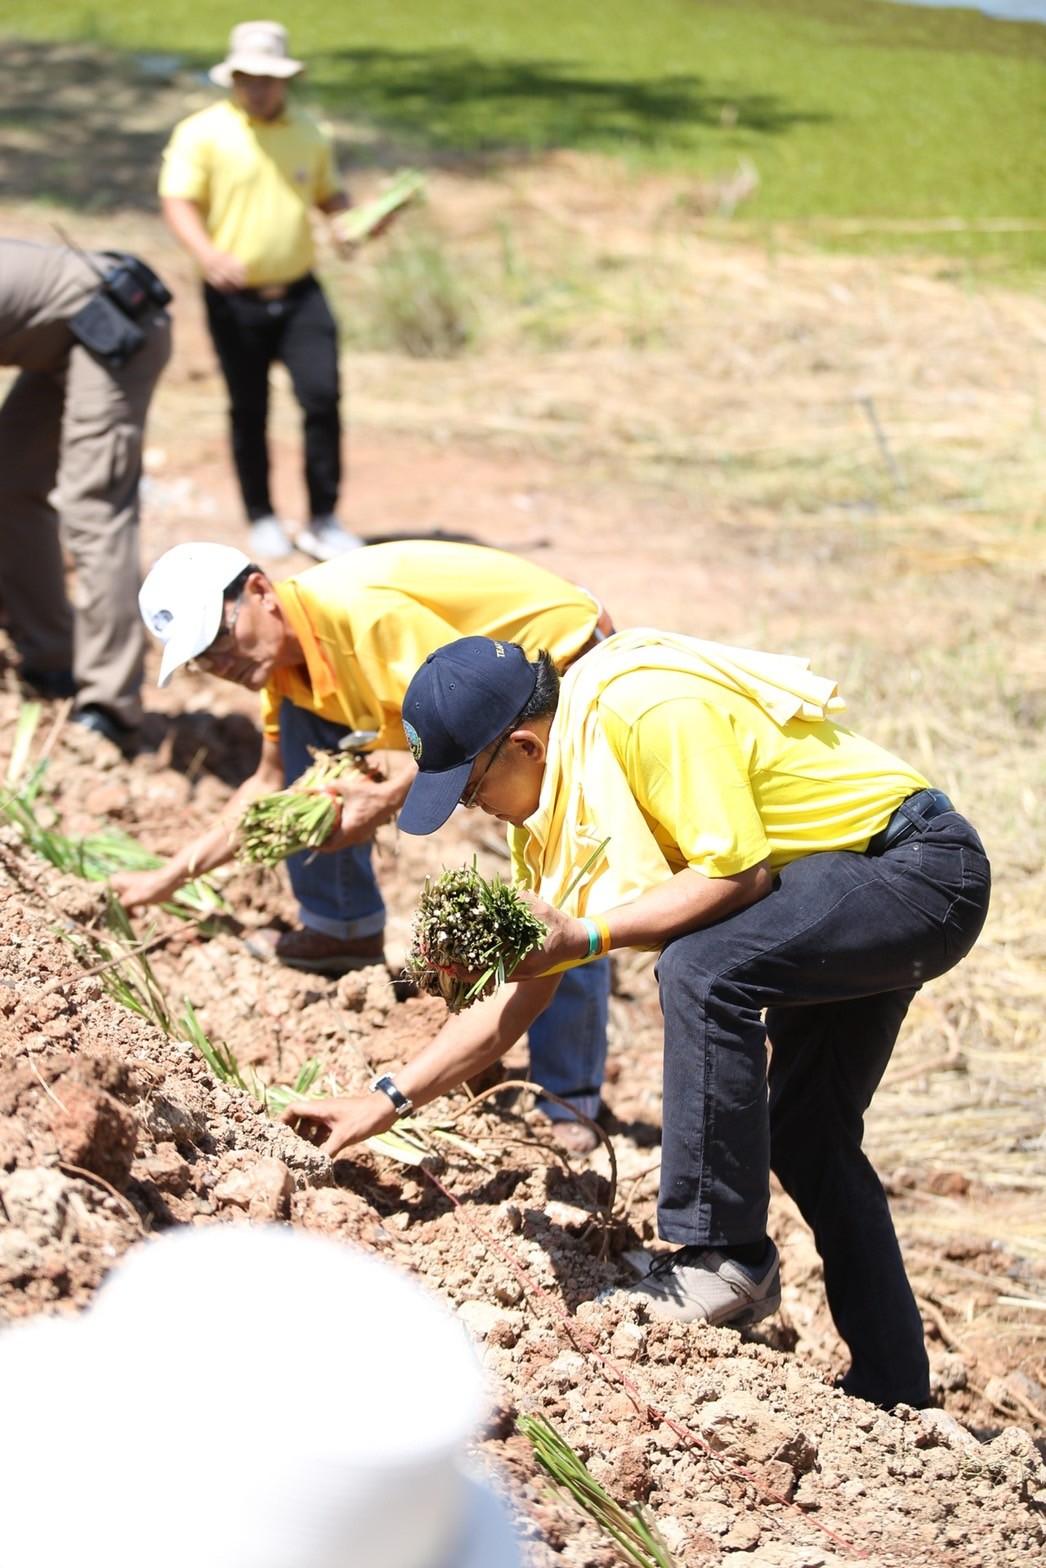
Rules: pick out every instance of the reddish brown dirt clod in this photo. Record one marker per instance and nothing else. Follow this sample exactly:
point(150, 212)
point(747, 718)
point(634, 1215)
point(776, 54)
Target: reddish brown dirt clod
point(94, 1131)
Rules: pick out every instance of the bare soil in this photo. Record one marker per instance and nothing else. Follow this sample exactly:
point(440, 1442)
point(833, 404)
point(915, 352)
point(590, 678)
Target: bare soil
point(925, 602)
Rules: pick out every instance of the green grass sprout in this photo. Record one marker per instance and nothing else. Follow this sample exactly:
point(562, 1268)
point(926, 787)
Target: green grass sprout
point(633, 1535)
point(465, 922)
point(98, 855)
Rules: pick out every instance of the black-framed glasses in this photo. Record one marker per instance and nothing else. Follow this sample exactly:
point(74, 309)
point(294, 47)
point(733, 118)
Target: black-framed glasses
point(469, 797)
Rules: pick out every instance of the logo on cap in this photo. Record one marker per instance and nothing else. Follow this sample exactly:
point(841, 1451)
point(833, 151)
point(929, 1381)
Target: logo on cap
point(413, 740)
point(161, 620)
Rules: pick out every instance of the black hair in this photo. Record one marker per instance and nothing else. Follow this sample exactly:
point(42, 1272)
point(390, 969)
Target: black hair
point(234, 589)
point(544, 699)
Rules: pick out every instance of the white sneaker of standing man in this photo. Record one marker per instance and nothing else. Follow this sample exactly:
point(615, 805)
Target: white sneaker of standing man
point(268, 538)
point(324, 539)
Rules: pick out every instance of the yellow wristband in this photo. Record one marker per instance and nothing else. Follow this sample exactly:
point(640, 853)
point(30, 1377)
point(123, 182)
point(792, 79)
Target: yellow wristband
point(604, 934)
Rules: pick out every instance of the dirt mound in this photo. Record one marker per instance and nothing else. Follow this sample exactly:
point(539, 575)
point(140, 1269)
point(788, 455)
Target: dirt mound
point(739, 1448)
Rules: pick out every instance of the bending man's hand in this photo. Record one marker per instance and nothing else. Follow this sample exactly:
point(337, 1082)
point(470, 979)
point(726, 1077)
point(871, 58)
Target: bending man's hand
point(136, 889)
point(467, 1043)
point(365, 807)
point(332, 1124)
point(566, 941)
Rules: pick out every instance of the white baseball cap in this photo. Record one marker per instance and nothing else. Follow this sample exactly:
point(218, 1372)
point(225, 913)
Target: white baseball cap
point(301, 1401)
point(181, 599)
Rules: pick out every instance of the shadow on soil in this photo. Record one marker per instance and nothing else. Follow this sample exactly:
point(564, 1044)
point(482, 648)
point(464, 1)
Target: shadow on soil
point(226, 746)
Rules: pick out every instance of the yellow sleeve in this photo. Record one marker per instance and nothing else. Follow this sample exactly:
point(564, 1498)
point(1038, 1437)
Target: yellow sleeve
point(687, 771)
point(185, 170)
point(271, 702)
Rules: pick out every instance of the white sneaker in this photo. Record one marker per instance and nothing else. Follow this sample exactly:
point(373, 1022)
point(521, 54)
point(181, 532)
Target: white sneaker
point(268, 537)
point(325, 538)
point(699, 1285)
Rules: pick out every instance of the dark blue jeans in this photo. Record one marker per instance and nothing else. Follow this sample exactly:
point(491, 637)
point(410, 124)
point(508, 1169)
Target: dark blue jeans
point(826, 967)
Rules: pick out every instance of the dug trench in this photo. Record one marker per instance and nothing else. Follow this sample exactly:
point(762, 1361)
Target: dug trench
point(738, 1447)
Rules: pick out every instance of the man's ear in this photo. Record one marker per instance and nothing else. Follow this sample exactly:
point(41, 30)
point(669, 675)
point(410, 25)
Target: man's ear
point(259, 586)
point(531, 744)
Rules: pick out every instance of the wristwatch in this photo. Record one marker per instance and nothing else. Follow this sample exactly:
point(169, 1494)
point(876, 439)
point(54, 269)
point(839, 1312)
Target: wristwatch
point(384, 1083)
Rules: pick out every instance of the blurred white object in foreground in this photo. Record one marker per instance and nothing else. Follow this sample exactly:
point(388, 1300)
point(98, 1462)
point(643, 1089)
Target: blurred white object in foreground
point(246, 1397)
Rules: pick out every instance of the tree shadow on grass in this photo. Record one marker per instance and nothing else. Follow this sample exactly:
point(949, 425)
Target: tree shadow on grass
point(452, 103)
point(83, 126)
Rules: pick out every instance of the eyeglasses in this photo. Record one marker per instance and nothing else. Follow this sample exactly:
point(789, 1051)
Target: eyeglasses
point(225, 642)
point(469, 797)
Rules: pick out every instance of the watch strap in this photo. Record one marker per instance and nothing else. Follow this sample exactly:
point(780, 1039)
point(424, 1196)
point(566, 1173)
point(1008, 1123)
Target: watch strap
point(383, 1084)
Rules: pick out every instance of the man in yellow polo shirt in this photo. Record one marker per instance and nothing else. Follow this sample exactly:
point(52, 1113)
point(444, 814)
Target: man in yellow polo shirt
point(238, 183)
point(801, 885)
point(332, 651)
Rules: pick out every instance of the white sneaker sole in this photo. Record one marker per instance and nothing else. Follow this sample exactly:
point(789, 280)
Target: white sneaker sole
point(309, 545)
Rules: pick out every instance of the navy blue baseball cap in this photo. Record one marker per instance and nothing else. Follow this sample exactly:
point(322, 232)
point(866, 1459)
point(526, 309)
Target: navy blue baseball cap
point(465, 696)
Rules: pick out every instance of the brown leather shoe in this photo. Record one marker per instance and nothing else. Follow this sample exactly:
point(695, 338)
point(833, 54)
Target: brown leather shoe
point(316, 952)
point(573, 1137)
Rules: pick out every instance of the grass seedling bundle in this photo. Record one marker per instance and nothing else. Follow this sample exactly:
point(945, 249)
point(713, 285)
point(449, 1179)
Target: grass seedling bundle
point(632, 1534)
point(301, 817)
point(465, 922)
point(361, 220)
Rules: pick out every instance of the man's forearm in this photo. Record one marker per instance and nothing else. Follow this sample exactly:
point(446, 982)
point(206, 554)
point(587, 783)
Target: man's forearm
point(472, 1040)
point(686, 902)
point(218, 844)
point(185, 221)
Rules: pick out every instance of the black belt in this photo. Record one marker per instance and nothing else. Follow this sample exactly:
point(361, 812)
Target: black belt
point(908, 818)
point(275, 294)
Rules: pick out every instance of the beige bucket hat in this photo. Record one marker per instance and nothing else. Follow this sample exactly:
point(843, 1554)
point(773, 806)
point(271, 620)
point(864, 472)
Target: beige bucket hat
point(257, 49)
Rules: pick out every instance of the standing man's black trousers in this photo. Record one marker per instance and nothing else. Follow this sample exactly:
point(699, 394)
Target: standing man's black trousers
point(250, 332)
point(834, 955)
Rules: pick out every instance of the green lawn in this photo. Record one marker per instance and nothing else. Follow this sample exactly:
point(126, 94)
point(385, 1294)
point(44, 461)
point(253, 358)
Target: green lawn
point(847, 108)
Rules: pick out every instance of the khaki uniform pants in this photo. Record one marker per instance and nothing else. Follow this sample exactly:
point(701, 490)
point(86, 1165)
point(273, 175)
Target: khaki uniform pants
point(77, 431)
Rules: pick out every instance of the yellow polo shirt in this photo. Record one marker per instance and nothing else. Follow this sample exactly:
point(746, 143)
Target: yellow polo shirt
point(683, 754)
point(368, 620)
point(254, 182)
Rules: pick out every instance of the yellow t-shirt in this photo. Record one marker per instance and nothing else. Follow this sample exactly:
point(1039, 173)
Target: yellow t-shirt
point(254, 182)
point(368, 620)
point(688, 754)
